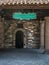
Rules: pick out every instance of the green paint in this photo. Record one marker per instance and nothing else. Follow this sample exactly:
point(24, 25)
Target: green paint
point(24, 16)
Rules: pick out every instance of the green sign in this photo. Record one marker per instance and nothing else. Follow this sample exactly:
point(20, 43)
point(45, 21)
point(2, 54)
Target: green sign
point(24, 16)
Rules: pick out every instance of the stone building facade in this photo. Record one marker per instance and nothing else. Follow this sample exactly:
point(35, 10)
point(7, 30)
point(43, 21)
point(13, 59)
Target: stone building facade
point(9, 32)
point(35, 32)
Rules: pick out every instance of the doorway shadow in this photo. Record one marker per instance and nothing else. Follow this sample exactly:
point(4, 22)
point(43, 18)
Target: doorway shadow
point(19, 40)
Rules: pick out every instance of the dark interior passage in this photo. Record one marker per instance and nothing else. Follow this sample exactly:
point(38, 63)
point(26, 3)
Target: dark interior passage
point(19, 39)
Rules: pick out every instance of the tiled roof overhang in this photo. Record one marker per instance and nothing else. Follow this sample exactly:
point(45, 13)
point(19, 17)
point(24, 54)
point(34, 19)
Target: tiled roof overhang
point(24, 4)
point(4, 2)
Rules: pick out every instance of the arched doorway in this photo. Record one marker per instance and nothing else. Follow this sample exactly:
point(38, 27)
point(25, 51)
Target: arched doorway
point(19, 40)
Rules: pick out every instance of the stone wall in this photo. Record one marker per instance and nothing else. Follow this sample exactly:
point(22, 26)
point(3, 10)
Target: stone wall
point(30, 30)
point(9, 28)
point(8, 32)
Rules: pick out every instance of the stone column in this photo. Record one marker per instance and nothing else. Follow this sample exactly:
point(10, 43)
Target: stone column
point(1, 33)
point(42, 25)
point(47, 34)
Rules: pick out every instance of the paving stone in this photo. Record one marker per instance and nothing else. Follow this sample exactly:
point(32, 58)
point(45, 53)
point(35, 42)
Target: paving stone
point(23, 57)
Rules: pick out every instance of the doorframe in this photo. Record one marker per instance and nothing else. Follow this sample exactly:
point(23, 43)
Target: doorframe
point(19, 29)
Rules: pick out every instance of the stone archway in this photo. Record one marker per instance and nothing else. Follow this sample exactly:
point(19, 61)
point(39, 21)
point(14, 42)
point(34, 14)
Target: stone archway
point(14, 36)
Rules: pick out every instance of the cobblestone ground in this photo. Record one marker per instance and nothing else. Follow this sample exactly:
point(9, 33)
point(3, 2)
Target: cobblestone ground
point(23, 57)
